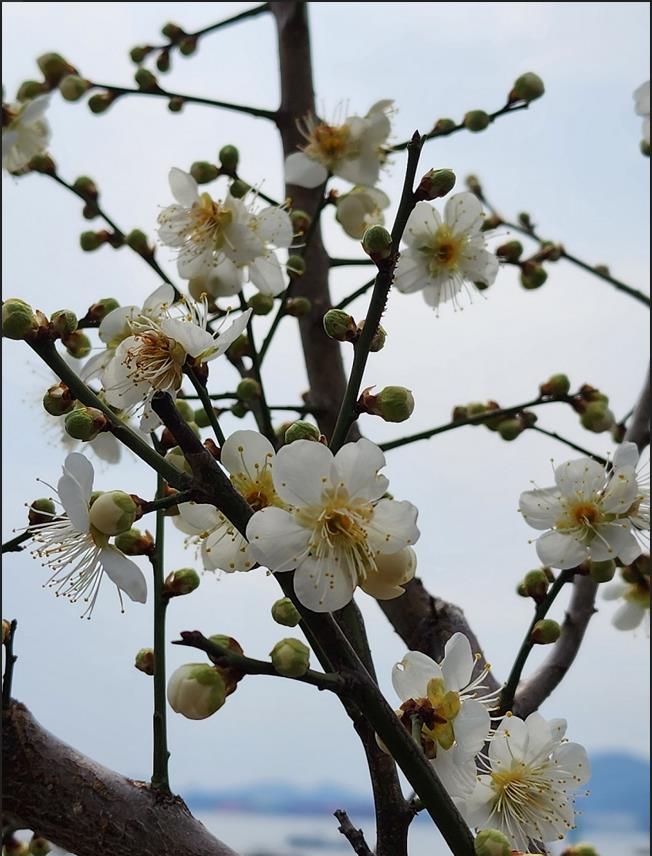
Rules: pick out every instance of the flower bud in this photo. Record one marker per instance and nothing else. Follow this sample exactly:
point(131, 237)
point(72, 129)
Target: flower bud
point(491, 842)
point(295, 266)
point(339, 325)
point(549, 251)
point(139, 53)
point(528, 87)
point(509, 429)
point(300, 221)
point(377, 243)
point(580, 849)
point(297, 307)
point(203, 172)
point(63, 322)
point(476, 120)
point(248, 389)
point(72, 87)
point(54, 67)
point(133, 542)
point(175, 104)
point(41, 511)
point(144, 661)
point(545, 632)
point(18, 319)
point(90, 241)
point(31, 89)
point(393, 403)
point(435, 184)
point(378, 341)
point(172, 31)
point(532, 276)
point(290, 658)
point(100, 102)
point(229, 157)
point(196, 690)
point(239, 188)
point(180, 582)
point(77, 344)
point(602, 572)
point(511, 251)
point(301, 430)
point(239, 409)
point(535, 584)
point(84, 423)
point(443, 127)
point(597, 417)
point(163, 61)
point(146, 81)
point(98, 311)
point(285, 612)
point(137, 240)
point(58, 400)
point(557, 386)
point(188, 46)
point(261, 304)
point(112, 512)
point(178, 460)
point(39, 846)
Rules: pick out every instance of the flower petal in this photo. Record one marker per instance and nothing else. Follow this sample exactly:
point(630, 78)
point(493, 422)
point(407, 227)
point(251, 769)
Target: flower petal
point(246, 453)
point(303, 171)
point(301, 470)
point(320, 589)
point(458, 662)
point(124, 573)
point(183, 187)
point(411, 675)
point(358, 464)
point(560, 551)
point(276, 540)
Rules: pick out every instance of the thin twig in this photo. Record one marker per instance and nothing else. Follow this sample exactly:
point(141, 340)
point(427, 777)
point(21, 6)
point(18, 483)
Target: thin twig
point(354, 836)
point(10, 659)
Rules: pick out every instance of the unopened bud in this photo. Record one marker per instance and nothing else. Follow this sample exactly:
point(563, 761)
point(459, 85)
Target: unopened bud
point(285, 612)
point(261, 304)
point(31, 89)
point(443, 127)
point(300, 221)
point(86, 188)
point(146, 81)
point(339, 325)
point(112, 512)
point(54, 67)
point(63, 322)
point(528, 87)
point(549, 251)
point(229, 157)
point(297, 307)
point(181, 582)
point(139, 53)
point(533, 275)
point(602, 270)
point(557, 386)
point(172, 31)
point(203, 172)
point(509, 429)
point(580, 849)
point(100, 102)
point(41, 511)
point(301, 430)
point(473, 184)
point(133, 542)
point(98, 311)
point(248, 389)
point(144, 661)
point(196, 690)
point(58, 400)
point(602, 572)
point(239, 409)
point(435, 184)
point(393, 403)
point(239, 188)
point(379, 338)
point(18, 319)
point(476, 120)
point(90, 241)
point(511, 251)
point(72, 87)
point(39, 846)
point(295, 265)
point(77, 344)
point(290, 658)
point(377, 243)
point(175, 104)
point(163, 61)
point(137, 240)
point(545, 632)
point(535, 584)
point(84, 423)
point(188, 45)
point(491, 842)
point(597, 417)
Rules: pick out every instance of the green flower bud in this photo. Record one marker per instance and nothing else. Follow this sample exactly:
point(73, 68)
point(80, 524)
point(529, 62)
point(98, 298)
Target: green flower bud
point(297, 307)
point(475, 408)
point(545, 632)
point(84, 423)
point(491, 842)
point(535, 584)
point(113, 512)
point(239, 409)
point(163, 61)
point(229, 157)
point(377, 243)
point(509, 429)
point(39, 846)
point(300, 221)
point(196, 690)
point(31, 89)
point(549, 251)
point(262, 304)
point(528, 87)
point(137, 240)
point(139, 53)
point(285, 612)
point(510, 251)
point(290, 658)
point(476, 120)
point(393, 403)
point(602, 572)
point(248, 389)
point(296, 265)
point(379, 339)
point(180, 582)
point(63, 322)
point(339, 325)
point(532, 276)
point(301, 430)
point(77, 344)
point(54, 67)
point(644, 147)
point(146, 81)
point(98, 311)
point(435, 184)
point(100, 102)
point(580, 849)
point(18, 319)
point(188, 46)
point(556, 386)
point(90, 241)
point(86, 188)
point(178, 460)
point(58, 400)
point(41, 511)
point(43, 164)
point(443, 127)
point(133, 542)
point(521, 590)
point(144, 661)
point(73, 87)
point(239, 188)
point(172, 31)
point(200, 417)
point(185, 410)
point(227, 642)
point(597, 417)
point(176, 104)
point(525, 220)
point(203, 172)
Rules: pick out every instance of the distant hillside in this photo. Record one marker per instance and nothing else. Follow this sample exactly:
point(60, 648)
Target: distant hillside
point(619, 793)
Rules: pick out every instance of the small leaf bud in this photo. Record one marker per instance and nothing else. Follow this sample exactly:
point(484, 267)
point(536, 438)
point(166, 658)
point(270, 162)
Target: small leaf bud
point(133, 542)
point(491, 842)
point(525, 221)
point(239, 188)
point(18, 319)
point(64, 322)
point(181, 582)
point(597, 417)
point(146, 81)
point(137, 240)
point(295, 265)
point(77, 344)
point(556, 386)
point(144, 661)
point(443, 127)
point(188, 45)
point(112, 512)
point(139, 53)
point(31, 89)
point(58, 400)
point(72, 87)
point(393, 403)
point(285, 612)
point(602, 270)
point(261, 304)
point(339, 325)
point(545, 632)
point(196, 690)
point(476, 120)
point(379, 339)
point(290, 658)
point(54, 67)
point(176, 104)
point(509, 429)
point(301, 430)
point(203, 172)
point(100, 102)
point(229, 157)
point(533, 275)
point(90, 241)
point(602, 572)
point(435, 184)
point(84, 423)
point(297, 307)
point(248, 389)
point(511, 251)
point(300, 221)
point(528, 87)
point(41, 511)
point(377, 243)
point(536, 584)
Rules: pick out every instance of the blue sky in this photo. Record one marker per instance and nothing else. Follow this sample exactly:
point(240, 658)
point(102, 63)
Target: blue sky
point(572, 161)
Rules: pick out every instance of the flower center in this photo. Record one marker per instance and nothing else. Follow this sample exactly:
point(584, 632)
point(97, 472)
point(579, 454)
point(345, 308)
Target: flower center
point(444, 251)
point(258, 488)
point(328, 143)
point(210, 220)
point(431, 719)
point(155, 359)
point(520, 791)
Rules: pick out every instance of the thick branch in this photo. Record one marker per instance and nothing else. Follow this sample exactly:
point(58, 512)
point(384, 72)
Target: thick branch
point(86, 808)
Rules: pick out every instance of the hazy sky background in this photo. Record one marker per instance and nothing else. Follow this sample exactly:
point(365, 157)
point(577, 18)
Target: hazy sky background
point(572, 160)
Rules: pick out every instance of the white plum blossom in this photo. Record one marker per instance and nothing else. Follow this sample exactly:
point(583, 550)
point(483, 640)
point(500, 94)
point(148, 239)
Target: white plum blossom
point(527, 789)
point(77, 552)
point(642, 108)
point(360, 208)
point(593, 512)
point(337, 523)
point(249, 459)
point(25, 132)
point(633, 589)
point(444, 254)
point(220, 239)
point(448, 708)
point(354, 150)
